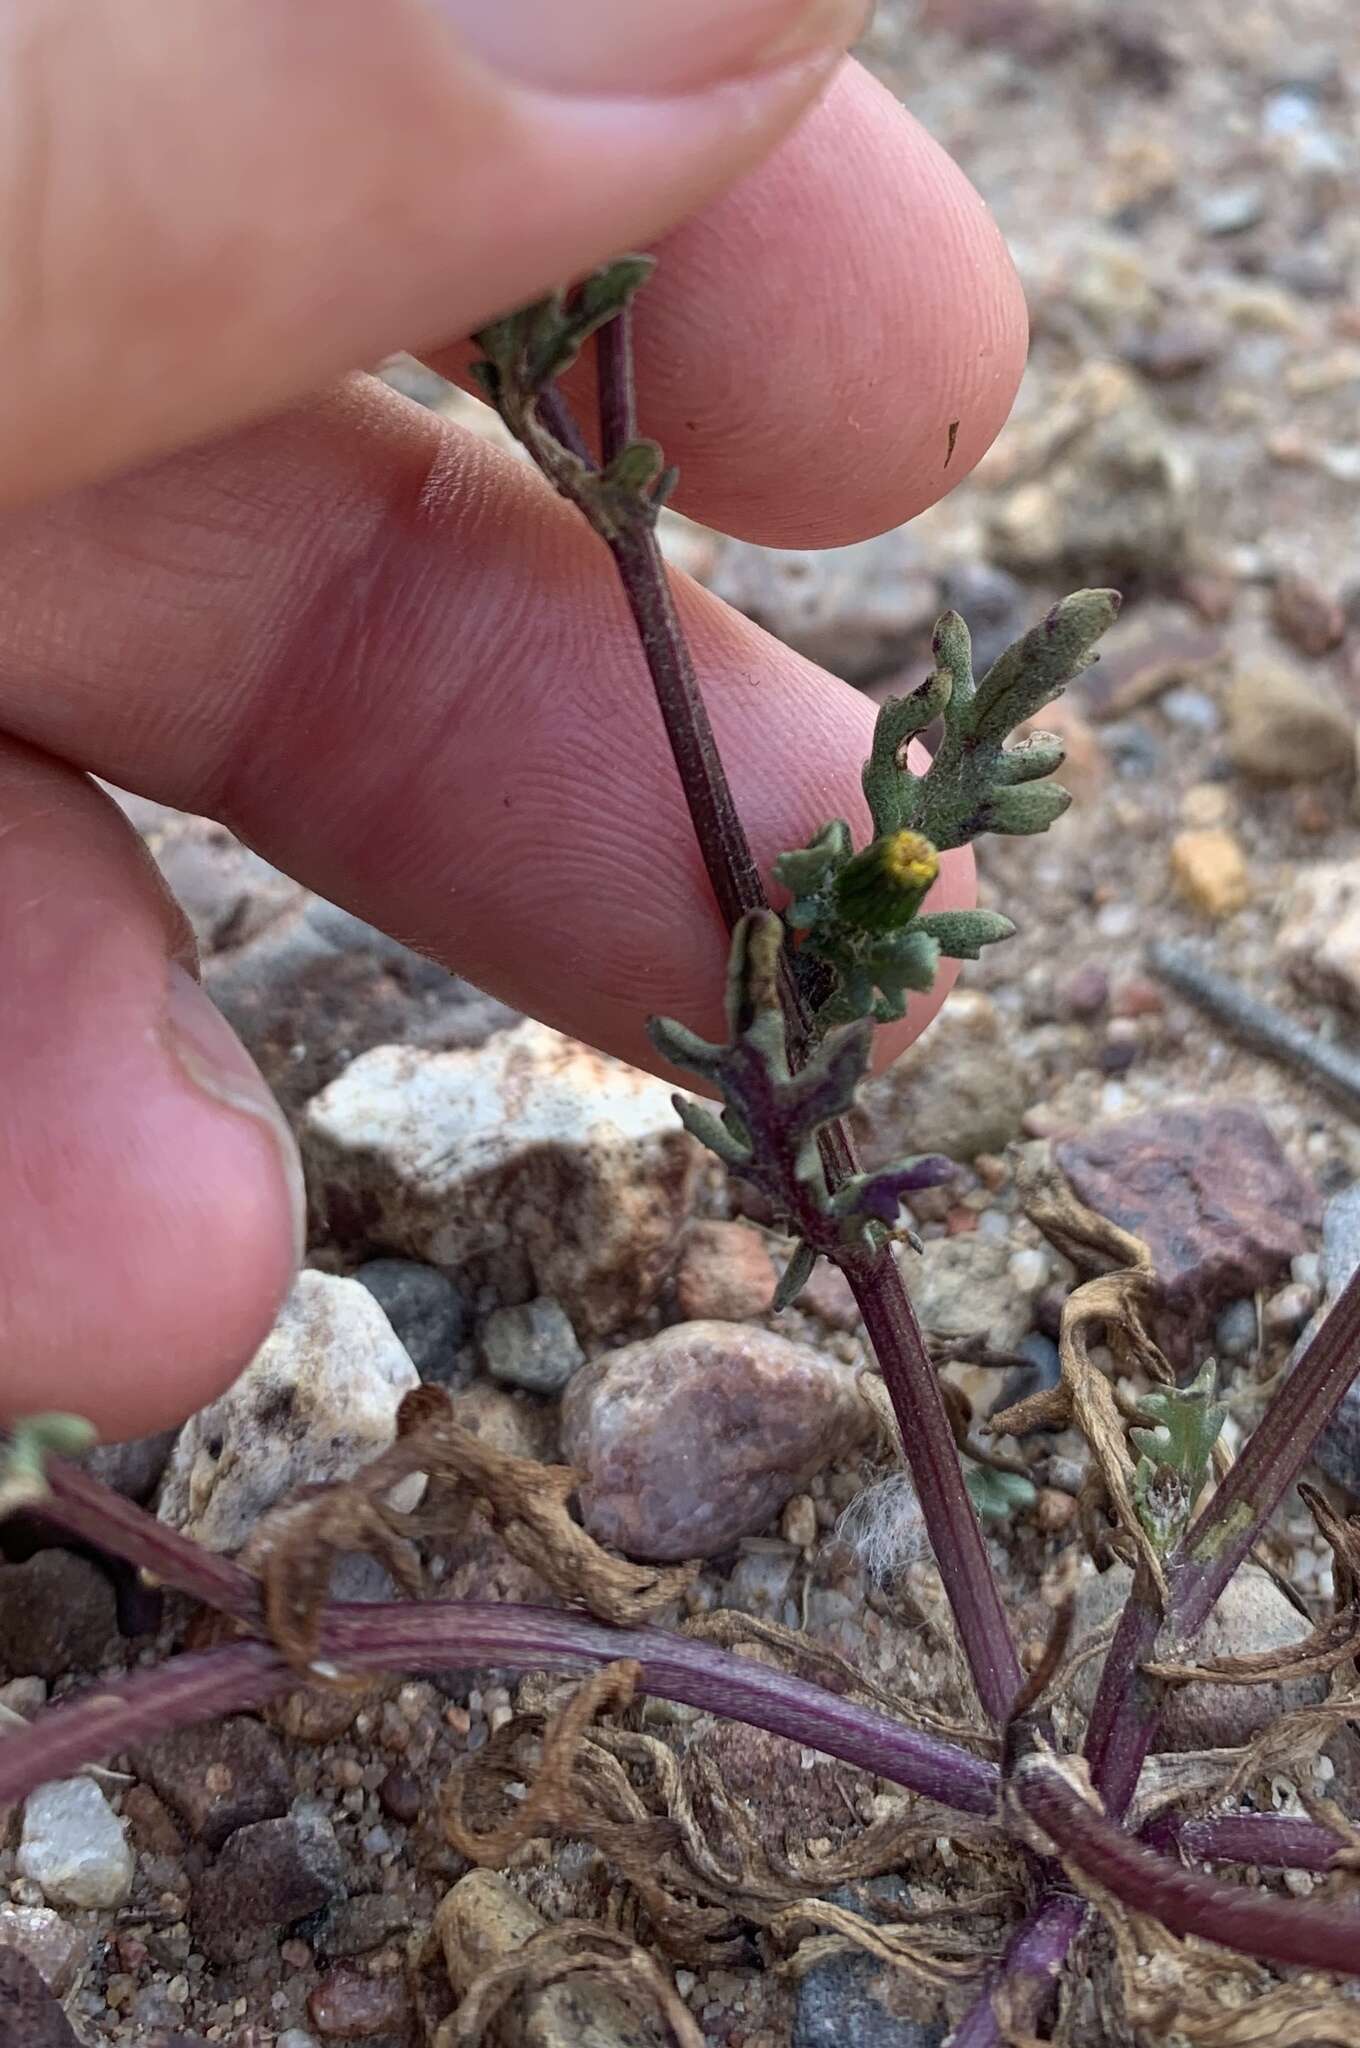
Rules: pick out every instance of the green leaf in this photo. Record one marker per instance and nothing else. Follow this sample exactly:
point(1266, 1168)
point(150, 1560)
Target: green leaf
point(795, 1275)
point(636, 467)
point(1025, 808)
point(23, 1455)
point(962, 934)
point(998, 1495)
point(1175, 1452)
point(1035, 669)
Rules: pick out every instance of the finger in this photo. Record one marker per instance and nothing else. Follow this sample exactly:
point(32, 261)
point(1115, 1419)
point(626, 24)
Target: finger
point(399, 666)
point(150, 1190)
point(210, 208)
point(831, 345)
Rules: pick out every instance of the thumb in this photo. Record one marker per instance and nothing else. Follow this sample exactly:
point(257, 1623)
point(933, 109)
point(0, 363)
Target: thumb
point(209, 209)
point(151, 1195)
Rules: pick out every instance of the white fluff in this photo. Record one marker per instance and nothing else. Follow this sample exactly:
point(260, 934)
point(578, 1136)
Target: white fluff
point(885, 1528)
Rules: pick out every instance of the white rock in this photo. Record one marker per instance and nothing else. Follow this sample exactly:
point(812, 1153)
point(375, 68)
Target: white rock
point(531, 1164)
point(73, 1845)
point(318, 1400)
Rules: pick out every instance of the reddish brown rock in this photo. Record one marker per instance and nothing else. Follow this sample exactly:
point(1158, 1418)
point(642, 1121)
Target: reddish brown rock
point(349, 2006)
point(1306, 616)
point(827, 1296)
point(692, 1438)
point(725, 1272)
point(1208, 1190)
point(267, 1875)
point(218, 1777)
point(58, 1613)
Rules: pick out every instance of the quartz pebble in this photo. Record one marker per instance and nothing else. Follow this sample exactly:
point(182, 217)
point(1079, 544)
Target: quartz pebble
point(318, 1400)
point(73, 1846)
point(533, 1165)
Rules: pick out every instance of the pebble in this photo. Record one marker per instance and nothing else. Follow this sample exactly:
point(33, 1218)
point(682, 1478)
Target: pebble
point(1085, 993)
point(848, 2001)
point(725, 1274)
point(1040, 1373)
point(533, 1165)
point(762, 1579)
point(1029, 1269)
point(354, 1927)
point(58, 1613)
point(218, 1776)
point(1306, 616)
point(1283, 727)
point(1235, 1330)
point(318, 1401)
point(1105, 484)
point(349, 2006)
point(1251, 1614)
point(30, 2017)
point(1194, 711)
point(1285, 1313)
point(1210, 870)
point(400, 1797)
point(73, 1846)
point(960, 1090)
point(424, 1308)
point(267, 1875)
point(798, 1524)
point(828, 1296)
point(687, 1440)
point(1209, 1191)
point(1319, 936)
point(56, 1950)
point(532, 1346)
point(132, 1469)
point(481, 1922)
point(1231, 209)
point(964, 1287)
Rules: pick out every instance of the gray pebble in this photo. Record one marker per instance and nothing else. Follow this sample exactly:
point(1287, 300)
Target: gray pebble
point(1235, 1330)
point(531, 1346)
point(424, 1308)
point(839, 2005)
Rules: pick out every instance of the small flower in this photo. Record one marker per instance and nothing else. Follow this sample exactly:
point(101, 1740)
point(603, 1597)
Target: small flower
point(882, 888)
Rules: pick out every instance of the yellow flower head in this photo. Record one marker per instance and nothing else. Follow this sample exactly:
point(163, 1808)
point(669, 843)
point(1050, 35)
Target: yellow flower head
point(909, 860)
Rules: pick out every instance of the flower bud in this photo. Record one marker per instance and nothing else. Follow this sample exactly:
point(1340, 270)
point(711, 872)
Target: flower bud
point(882, 889)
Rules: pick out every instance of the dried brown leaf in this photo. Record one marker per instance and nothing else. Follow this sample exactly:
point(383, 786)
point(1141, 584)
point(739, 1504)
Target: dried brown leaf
point(525, 1502)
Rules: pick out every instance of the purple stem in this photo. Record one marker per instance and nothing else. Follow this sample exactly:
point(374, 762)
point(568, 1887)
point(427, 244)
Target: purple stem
point(1029, 1970)
point(1278, 1841)
point(82, 1506)
point(618, 386)
point(1127, 1706)
point(1254, 1923)
point(1275, 1453)
point(437, 1635)
point(955, 1533)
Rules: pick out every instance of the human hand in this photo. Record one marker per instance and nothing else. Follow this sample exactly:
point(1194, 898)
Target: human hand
point(375, 647)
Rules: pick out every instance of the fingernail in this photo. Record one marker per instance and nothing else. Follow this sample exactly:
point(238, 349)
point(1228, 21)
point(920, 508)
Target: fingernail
point(213, 1057)
point(649, 46)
